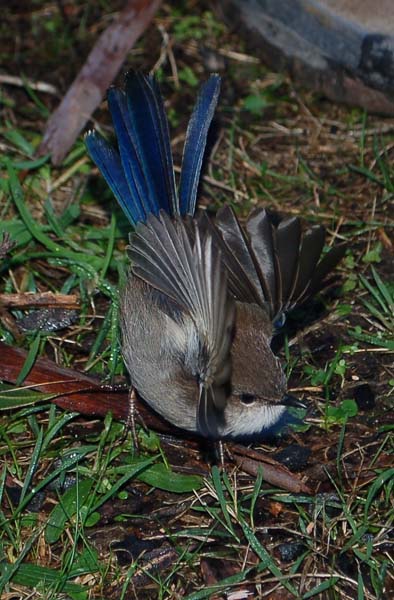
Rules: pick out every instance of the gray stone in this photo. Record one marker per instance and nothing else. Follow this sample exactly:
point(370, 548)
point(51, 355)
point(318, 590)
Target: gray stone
point(342, 48)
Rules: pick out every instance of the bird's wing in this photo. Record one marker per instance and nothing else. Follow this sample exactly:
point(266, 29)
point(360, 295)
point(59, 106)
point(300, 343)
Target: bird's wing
point(283, 264)
point(182, 261)
point(244, 278)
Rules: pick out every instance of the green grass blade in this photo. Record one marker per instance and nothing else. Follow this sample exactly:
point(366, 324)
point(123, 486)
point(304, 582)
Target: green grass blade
point(256, 493)
point(389, 298)
point(37, 232)
point(68, 506)
point(322, 587)
point(110, 247)
point(373, 340)
point(30, 359)
point(221, 586)
point(374, 292)
point(35, 457)
point(33, 576)
point(12, 397)
point(377, 314)
point(374, 489)
point(133, 471)
point(74, 456)
point(217, 482)
point(159, 476)
point(267, 562)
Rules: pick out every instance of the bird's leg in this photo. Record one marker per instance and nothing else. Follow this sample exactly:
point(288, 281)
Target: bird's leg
point(132, 411)
point(130, 422)
point(219, 452)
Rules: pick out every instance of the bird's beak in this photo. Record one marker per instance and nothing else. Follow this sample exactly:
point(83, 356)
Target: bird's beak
point(289, 400)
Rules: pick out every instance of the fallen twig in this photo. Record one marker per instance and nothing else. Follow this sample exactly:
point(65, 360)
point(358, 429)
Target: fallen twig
point(38, 86)
point(39, 300)
point(97, 74)
point(274, 473)
point(82, 393)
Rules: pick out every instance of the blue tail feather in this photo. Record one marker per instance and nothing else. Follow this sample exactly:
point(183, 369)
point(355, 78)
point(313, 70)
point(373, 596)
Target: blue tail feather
point(151, 138)
point(141, 173)
point(108, 161)
point(141, 204)
point(196, 138)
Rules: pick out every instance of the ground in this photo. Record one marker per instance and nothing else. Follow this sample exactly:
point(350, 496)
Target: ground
point(82, 515)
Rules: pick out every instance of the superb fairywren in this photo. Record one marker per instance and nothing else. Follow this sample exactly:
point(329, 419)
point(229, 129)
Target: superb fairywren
point(202, 298)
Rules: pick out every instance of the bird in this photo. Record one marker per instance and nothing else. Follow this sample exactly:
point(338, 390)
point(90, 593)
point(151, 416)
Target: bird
point(204, 295)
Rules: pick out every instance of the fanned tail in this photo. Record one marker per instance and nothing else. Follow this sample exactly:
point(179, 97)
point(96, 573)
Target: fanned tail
point(271, 263)
point(140, 172)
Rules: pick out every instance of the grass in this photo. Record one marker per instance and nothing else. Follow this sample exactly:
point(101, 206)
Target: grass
point(81, 514)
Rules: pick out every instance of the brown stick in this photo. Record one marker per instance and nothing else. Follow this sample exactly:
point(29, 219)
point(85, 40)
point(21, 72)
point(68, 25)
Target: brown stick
point(40, 300)
point(82, 393)
point(274, 473)
point(97, 74)
point(75, 390)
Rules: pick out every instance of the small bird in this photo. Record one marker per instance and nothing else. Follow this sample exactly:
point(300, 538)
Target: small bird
point(203, 296)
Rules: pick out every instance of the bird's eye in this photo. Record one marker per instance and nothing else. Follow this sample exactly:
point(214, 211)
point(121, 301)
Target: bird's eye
point(248, 399)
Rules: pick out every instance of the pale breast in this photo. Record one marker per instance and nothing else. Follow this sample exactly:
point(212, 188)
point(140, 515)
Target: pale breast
point(157, 352)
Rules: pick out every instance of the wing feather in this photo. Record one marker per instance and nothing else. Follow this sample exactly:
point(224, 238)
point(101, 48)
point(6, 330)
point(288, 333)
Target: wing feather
point(272, 262)
point(187, 268)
